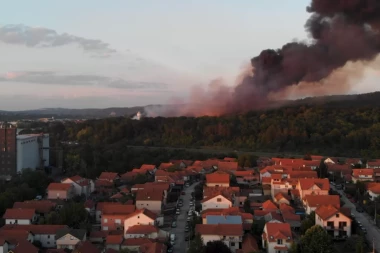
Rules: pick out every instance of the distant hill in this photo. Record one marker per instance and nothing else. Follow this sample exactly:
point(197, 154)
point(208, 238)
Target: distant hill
point(336, 101)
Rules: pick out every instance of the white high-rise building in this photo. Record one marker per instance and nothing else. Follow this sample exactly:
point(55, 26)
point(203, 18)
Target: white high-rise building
point(32, 151)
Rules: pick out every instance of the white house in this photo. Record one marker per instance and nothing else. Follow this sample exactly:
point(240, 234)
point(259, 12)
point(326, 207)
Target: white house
point(4, 246)
point(69, 238)
point(22, 216)
point(334, 221)
point(229, 234)
point(277, 237)
point(138, 231)
point(139, 217)
point(81, 185)
point(312, 202)
point(216, 202)
point(217, 179)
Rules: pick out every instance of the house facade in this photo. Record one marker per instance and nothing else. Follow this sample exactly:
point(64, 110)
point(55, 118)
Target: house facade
point(81, 185)
point(217, 180)
point(277, 237)
point(139, 217)
point(69, 238)
point(216, 202)
point(336, 223)
point(20, 216)
point(60, 191)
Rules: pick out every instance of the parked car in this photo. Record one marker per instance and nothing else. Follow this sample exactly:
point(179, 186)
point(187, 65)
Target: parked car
point(359, 209)
point(186, 238)
point(170, 250)
point(178, 212)
point(174, 224)
point(191, 203)
point(187, 229)
point(183, 193)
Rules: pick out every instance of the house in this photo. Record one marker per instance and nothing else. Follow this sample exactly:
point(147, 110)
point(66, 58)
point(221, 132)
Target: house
point(336, 221)
point(153, 247)
point(60, 191)
point(42, 233)
point(225, 219)
point(146, 231)
point(373, 190)
point(313, 186)
point(4, 245)
point(109, 176)
point(282, 198)
point(113, 216)
point(216, 202)
point(277, 237)
point(273, 217)
point(248, 245)
point(229, 234)
point(82, 186)
point(133, 244)
point(86, 247)
point(340, 169)
point(140, 217)
point(25, 246)
point(114, 241)
point(14, 237)
point(331, 160)
point(373, 164)
point(294, 220)
point(98, 236)
point(227, 166)
point(362, 175)
point(284, 185)
point(161, 186)
point(42, 207)
point(269, 206)
point(214, 179)
point(303, 174)
point(99, 209)
point(20, 216)
point(312, 202)
point(151, 199)
point(247, 218)
point(69, 238)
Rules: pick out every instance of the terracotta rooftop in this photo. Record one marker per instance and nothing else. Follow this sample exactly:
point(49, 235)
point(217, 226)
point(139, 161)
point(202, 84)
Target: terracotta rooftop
point(320, 200)
point(326, 212)
point(227, 166)
point(109, 176)
point(35, 229)
point(362, 172)
point(136, 241)
point(290, 216)
point(153, 247)
point(98, 234)
point(228, 211)
point(86, 247)
point(114, 239)
point(281, 195)
point(277, 231)
point(286, 208)
point(118, 209)
point(142, 229)
point(165, 166)
point(25, 246)
point(220, 229)
point(147, 167)
point(307, 183)
point(249, 245)
point(152, 194)
point(217, 178)
point(144, 211)
point(269, 205)
point(373, 163)
point(59, 187)
point(303, 174)
point(41, 206)
point(14, 236)
point(19, 213)
point(100, 206)
point(375, 188)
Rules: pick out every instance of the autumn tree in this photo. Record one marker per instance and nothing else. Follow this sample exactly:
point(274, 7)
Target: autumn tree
point(196, 245)
point(316, 240)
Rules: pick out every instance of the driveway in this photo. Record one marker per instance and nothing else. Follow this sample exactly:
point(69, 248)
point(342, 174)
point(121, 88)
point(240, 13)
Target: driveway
point(181, 245)
point(373, 234)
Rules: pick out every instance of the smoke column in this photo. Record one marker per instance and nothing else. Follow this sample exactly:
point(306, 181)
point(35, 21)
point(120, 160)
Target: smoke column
point(345, 38)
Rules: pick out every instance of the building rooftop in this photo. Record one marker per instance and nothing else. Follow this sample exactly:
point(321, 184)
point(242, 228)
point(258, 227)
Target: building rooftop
point(223, 219)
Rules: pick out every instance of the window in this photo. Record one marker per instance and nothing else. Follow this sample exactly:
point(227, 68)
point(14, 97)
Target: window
point(48, 242)
point(337, 215)
point(330, 224)
point(48, 236)
point(232, 244)
point(138, 217)
point(279, 241)
point(219, 199)
point(105, 220)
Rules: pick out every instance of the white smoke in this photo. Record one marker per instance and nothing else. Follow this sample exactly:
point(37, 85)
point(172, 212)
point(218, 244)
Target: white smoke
point(137, 116)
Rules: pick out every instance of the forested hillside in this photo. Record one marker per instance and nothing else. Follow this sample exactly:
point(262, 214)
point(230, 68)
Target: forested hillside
point(350, 130)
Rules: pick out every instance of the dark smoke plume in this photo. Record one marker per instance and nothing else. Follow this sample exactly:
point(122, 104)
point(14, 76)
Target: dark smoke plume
point(341, 32)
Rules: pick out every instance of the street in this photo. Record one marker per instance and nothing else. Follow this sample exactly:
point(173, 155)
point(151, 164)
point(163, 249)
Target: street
point(181, 245)
point(373, 233)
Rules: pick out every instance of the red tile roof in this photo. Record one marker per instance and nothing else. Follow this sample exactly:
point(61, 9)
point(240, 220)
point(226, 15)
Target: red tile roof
point(165, 166)
point(218, 178)
point(281, 195)
point(14, 236)
point(269, 205)
point(320, 200)
point(290, 216)
point(303, 174)
point(59, 187)
point(227, 166)
point(374, 163)
point(136, 241)
point(277, 231)
point(286, 208)
point(362, 172)
point(266, 180)
point(19, 214)
point(118, 209)
point(147, 167)
point(249, 245)
point(142, 229)
point(117, 196)
point(98, 234)
point(144, 211)
point(86, 247)
point(345, 168)
point(220, 229)
point(35, 229)
point(307, 183)
point(228, 211)
point(41, 206)
point(326, 212)
point(375, 188)
point(25, 246)
point(109, 176)
point(152, 195)
point(114, 239)
point(153, 247)
point(229, 159)
point(100, 206)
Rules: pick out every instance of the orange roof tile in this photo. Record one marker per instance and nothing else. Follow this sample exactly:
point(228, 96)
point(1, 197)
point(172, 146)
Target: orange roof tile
point(144, 211)
point(118, 209)
point(147, 167)
point(307, 183)
point(280, 196)
point(266, 180)
point(153, 247)
point(290, 216)
point(375, 188)
point(229, 159)
point(35, 229)
point(19, 213)
point(269, 205)
point(142, 229)
point(277, 231)
point(165, 166)
point(218, 178)
point(286, 208)
point(41, 206)
point(109, 176)
point(362, 172)
point(232, 211)
point(319, 200)
point(153, 195)
point(136, 241)
point(100, 206)
point(86, 247)
point(303, 174)
point(220, 229)
point(14, 236)
point(327, 211)
point(227, 166)
point(59, 187)
point(114, 239)
point(25, 246)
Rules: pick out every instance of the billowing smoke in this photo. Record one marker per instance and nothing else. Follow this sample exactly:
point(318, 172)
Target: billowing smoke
point(137, 116)
point(345, 38)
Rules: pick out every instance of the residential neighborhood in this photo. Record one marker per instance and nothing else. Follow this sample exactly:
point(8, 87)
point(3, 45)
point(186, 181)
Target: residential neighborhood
point(266, 208)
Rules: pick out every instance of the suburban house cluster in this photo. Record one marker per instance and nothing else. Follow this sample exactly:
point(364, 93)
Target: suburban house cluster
point(280, 192)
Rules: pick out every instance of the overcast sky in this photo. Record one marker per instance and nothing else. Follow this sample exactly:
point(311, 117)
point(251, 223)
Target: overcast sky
point(96, 53)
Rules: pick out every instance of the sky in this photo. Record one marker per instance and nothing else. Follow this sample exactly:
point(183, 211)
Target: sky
point(96, 53)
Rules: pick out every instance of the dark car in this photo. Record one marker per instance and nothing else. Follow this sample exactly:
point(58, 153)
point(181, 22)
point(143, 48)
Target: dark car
point(186, 238)
point(183, 193)
point(359, 209)
point(170, 250)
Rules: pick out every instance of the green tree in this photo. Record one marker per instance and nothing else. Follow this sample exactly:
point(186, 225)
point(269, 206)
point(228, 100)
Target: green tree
point(197, 245)
point(217, 247)
point(247, 206)
point(360, 245)
point(322, 169)
point(316, 240)
point(307, 223)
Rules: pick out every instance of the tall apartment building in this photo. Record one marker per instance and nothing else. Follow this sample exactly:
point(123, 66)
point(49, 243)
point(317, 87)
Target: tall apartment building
point(8, 149)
